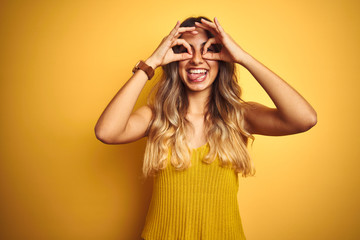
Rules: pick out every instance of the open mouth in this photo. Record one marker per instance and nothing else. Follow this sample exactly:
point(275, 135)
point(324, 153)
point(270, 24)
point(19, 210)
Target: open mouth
point(197, 75)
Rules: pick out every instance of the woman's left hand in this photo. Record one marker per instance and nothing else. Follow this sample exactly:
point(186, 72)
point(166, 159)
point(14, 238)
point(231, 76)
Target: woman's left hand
point(230, 51)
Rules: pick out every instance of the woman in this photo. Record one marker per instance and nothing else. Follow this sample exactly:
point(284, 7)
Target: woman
point(198, 129)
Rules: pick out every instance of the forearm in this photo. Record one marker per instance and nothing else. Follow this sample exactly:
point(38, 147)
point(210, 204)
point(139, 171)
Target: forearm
point(114, 118)
point(291, 106)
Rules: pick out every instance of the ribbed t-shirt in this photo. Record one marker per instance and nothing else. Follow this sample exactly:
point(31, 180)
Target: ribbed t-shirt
point(197, 203)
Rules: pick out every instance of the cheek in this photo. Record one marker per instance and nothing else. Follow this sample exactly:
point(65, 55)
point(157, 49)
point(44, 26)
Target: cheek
point(214, 65)
point(215, 68)
point(181, 66)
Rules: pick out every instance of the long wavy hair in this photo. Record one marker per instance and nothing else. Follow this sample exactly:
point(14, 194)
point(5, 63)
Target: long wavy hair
point(224, 121)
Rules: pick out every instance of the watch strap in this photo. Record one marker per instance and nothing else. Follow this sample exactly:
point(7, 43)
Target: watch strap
point(146, 68)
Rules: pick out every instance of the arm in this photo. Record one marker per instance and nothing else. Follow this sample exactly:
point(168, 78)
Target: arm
point(293, 114)
point(117, 124)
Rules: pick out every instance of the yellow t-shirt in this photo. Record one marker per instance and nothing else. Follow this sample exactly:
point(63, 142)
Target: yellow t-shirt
point(197, 203)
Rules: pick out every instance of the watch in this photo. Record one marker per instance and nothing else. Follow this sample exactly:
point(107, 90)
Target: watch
point(146, 68)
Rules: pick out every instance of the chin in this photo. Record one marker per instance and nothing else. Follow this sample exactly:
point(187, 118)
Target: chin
point(197, 86)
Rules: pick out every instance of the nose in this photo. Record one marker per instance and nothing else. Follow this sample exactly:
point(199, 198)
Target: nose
point(197, 57)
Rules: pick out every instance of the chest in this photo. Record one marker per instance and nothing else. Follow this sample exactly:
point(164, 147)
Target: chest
point(195, 133)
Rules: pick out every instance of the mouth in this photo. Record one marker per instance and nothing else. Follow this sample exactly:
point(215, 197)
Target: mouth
point(197, 74)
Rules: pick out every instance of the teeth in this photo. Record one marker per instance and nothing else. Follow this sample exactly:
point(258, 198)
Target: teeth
point(197, 71)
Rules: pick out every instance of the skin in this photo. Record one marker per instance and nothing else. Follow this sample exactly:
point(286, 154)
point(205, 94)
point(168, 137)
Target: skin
point(197, 61)
point(293, 114)
point(197, 92)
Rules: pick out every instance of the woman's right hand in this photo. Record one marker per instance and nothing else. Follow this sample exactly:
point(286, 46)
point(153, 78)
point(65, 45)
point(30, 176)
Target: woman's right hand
point(164, 53)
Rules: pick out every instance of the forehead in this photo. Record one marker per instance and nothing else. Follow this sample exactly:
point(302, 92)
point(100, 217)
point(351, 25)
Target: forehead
point(195, 39)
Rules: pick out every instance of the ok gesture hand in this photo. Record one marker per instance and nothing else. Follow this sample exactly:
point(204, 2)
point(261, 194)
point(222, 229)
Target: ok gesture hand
point(230, 51)
point(164, 53)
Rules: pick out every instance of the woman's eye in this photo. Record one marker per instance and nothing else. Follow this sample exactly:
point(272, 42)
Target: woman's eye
point(209, 49)
point(179, 49)
point(182, 49)
point(215, 48)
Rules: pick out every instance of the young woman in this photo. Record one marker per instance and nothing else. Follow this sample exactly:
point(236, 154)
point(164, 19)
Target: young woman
point(198, 129)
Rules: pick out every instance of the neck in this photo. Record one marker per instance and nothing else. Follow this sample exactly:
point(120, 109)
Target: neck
point(197, 102)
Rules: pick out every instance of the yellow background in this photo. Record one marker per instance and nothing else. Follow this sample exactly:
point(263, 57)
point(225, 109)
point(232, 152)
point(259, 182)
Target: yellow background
point(63, 61)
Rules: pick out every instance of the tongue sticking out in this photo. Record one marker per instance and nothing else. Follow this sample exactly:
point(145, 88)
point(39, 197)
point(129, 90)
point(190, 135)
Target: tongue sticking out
point(196, 76)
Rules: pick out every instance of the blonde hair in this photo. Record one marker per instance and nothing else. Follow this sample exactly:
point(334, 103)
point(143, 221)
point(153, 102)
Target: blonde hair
point(224, 123)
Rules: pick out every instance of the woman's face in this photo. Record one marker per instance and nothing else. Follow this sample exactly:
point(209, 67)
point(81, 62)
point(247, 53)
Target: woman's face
point(197, 73)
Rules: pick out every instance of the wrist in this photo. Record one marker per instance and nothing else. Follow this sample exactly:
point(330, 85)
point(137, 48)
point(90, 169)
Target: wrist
point(244, 59)
point(141, 65)
point(151, 63)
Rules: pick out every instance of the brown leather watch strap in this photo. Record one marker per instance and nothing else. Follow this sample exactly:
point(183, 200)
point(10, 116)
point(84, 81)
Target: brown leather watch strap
point(146, 68)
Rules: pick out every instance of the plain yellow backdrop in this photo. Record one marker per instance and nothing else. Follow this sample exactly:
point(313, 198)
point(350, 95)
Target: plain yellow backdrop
point(63, 61)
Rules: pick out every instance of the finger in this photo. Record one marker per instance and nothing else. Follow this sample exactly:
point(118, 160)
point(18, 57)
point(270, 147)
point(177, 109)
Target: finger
point(215, 26)
point(202, 25)
point(208, 44)
point(191, 30)
point(218, 26)
point(177, 23)
point(182, 30)
point(209, 24)
point(186, 29)
point(208, 28)
point(182, 56)
point(181, 41)
point(174, 30)
point(213, 31)
point(211, 56)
